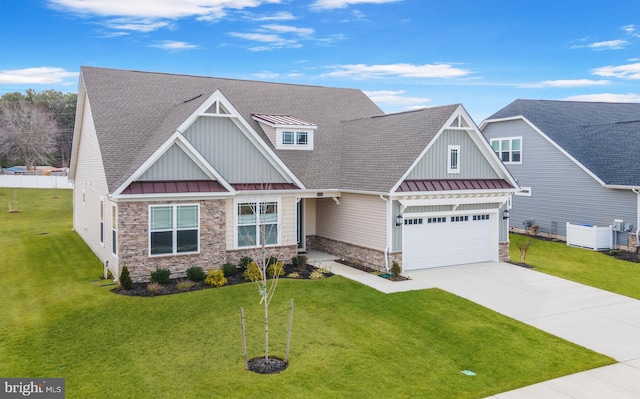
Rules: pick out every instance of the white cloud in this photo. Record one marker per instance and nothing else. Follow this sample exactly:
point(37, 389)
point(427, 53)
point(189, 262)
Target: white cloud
point(39, 75)
point(331, 4)
point(172, 45)
point(274, 35)
point(631, 30)
point(607, 97)
point(136, 25)
point(147, 15)
point(606, 45)
point(566, 83)
point(288, 29)
point(280, 16)
point(628, 71)
point(266, 75)
point(363, 71)
point(396, 98)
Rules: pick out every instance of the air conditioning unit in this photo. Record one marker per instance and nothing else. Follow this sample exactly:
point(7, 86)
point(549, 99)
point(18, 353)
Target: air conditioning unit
point(618, 225)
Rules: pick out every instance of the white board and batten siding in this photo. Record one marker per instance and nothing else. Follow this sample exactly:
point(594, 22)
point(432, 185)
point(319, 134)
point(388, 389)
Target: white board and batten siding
point(90, 189)
point(561, 191)
point(359, 219)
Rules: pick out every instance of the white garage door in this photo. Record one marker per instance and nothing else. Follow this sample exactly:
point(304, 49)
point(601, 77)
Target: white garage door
point(449, 240)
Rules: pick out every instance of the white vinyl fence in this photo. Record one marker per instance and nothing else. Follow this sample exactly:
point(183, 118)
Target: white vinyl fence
point(587, 236)
point(24, 181)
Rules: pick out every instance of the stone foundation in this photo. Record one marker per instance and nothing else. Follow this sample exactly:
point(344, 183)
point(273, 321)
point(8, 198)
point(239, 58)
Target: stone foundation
point(353, 253)
point(632, 243)
point(133, 247)
point(503, 252)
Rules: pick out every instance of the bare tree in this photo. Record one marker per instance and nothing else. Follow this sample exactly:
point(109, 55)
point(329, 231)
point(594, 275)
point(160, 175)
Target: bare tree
point(27, 132)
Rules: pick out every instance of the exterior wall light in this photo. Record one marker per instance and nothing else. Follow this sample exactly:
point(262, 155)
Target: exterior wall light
point(505, 214)
point(399, 220)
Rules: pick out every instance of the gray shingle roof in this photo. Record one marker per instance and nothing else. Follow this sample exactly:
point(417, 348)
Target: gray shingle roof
point(604, 137)
point(135, 112)
point(377, 151)
point(356, 146)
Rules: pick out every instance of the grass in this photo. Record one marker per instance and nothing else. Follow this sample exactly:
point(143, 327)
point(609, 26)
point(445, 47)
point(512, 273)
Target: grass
point(349, 341)
point(581, 265)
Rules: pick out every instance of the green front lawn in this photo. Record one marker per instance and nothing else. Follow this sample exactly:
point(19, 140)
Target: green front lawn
point(581, 265)
point(349, 341)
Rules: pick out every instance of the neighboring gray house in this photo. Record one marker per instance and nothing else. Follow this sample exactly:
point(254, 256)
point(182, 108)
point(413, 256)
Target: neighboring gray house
point(575, 162)
point(174, 171)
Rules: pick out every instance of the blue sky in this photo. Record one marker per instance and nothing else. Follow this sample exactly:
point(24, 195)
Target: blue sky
point(404, 54)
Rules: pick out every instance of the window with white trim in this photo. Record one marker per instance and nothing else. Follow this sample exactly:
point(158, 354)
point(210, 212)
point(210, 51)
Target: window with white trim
point(453, 159)
point(442, 219)
point(464, 218)
point(257, 223)
point(101, 221)
point(413, 221)
point(114, 230)
point(508, 149)
point(481, 217)
point(174, 229)
point(294, 139)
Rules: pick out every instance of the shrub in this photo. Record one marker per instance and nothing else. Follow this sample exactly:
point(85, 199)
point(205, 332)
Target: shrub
point(229, 269)
point(253, 272)
point(294, 275)
point(184, 285)
point(299, 261)
point(245, 261)
point(395, 269)
point(316, 275)
point(275, 269)
point(125, 279)
point(216, 278)
point(195, 273)
point(154, 288)
point(271, 260)
point(161, 276)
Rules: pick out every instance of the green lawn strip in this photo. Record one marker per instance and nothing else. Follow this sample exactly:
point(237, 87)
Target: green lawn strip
point(349, 341)
point(581, 265)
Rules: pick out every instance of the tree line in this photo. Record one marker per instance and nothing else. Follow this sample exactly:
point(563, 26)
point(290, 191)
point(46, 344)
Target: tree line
point(36, 128)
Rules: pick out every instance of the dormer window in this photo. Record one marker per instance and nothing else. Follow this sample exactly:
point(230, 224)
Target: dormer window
point(287, 132)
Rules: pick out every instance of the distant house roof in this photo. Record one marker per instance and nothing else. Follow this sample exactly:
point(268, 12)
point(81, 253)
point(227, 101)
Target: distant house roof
point(604, 137)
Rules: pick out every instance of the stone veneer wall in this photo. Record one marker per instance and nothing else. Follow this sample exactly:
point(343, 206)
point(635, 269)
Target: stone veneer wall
point(353, 253)
point(133, 246)
point(133, 224)
point(503, 252)
point(283, 253)
point(632, 243)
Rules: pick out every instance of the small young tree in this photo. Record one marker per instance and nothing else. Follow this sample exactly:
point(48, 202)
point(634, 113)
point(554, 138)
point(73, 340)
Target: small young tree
point(523, 246)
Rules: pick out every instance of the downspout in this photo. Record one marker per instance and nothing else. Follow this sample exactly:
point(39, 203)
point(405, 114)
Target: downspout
point(635, 190)
point(388, 230)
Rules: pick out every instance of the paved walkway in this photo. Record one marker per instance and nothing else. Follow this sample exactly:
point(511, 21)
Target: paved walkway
point(605, 322)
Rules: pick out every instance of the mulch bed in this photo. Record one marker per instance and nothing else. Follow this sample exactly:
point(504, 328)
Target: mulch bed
point(261, 366)
point(367, 269)
point(623, 255)
point(140, 289)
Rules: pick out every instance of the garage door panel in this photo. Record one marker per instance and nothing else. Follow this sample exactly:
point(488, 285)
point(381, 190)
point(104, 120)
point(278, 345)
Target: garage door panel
point(429, 242)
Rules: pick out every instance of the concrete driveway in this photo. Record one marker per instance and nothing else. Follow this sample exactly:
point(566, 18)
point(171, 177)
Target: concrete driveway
point(605, 322)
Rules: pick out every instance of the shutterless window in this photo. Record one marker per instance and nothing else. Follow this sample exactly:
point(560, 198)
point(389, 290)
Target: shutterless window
point(174, 229)
point(114, 230)
point(257, 223)
point(102, 222)
point(302, 138)
point(509, 149)
point(288, 138)
point(453, 159)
